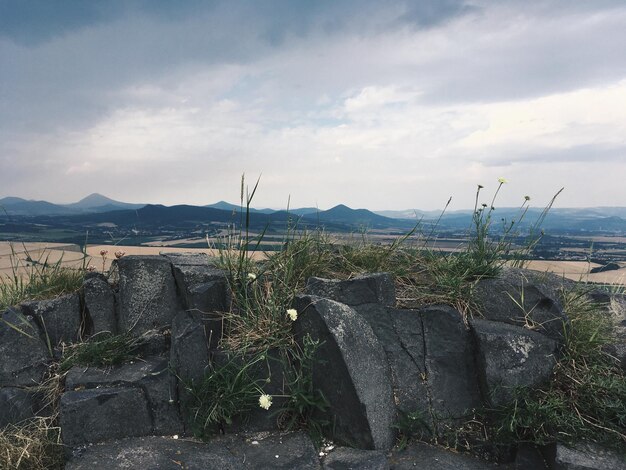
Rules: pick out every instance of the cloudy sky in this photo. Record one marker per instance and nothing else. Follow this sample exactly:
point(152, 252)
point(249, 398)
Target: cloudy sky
point(384, 104)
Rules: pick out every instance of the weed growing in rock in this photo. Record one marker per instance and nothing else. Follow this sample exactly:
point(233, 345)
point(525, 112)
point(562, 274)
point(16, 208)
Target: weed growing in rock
point(586, 398)
point(305, 402)
point(37, 278)
point(228, 390)
point(102, 350)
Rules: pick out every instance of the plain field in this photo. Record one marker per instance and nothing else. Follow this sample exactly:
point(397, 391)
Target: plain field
point(71, 256)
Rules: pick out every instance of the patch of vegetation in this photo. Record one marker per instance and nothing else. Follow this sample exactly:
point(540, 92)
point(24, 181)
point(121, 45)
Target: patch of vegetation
point(586, 397)
point(102, 350)
point(37, 279)
point(228, 390)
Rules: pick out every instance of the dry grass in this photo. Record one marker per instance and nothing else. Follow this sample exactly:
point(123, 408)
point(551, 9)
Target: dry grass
point(35, 444)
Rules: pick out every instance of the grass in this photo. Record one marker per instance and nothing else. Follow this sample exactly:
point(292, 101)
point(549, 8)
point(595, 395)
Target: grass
point(37, 279)
point(226, 391)
point(102, 350)
point(586, 397)
point(584, 400)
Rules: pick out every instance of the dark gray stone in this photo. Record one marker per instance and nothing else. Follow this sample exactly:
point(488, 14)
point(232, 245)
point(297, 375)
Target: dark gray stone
point(99, 305)
point(151, 375)
point(59, 319)
point(346, 458)
point(281, 451)
point(450, 370)
point(519, 297)
point(530, 457)
point(420, 455)
point(367, 289)
point(189, 356)
point(147, 293)
point(24, 355)
point(101, 414)
point(401, 335)
point(510, 357)
point(163, 453)
point(354, 375)
point(203, 288)
point(588, 457)
point(187, 259)
point(276, 451)
point(16, 405)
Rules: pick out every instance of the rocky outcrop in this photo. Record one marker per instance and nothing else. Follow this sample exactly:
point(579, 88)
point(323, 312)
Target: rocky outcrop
point(510, 357)
point(24, 353)
point(355, 378)
point(376, 365)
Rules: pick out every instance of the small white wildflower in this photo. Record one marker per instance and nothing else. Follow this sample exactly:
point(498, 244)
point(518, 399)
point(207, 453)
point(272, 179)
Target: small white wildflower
point(255, 443)
point(502, 180)
point(251, 276)
point(293, 314)
point(175, 436)
point(265, 401)
point(276, 456)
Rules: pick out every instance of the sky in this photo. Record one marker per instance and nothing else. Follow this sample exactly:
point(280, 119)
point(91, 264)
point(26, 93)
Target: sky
point(382, 104)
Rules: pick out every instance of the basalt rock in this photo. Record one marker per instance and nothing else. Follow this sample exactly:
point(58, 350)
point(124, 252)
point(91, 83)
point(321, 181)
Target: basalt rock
point(510, 357)
point(353, 375)
point(58, 319)
point(517, 298)
point(24, 356)
point(147, 293)
point(99, 306)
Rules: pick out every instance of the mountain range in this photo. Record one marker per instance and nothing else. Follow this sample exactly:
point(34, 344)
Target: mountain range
point(97, 208)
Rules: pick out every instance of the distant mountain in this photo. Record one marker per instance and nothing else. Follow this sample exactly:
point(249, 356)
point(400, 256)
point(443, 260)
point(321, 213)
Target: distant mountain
point(98, 203)
point(355, 217)
point(409, 214)
point(226, 206)
point(15, 206)
point(304, 211)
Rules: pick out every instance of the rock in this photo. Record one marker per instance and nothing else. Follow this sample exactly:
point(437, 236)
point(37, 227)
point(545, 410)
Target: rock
point(278, 451)
point(510, 357)
point(154, 453)
point(345, 458)
point(421, 455)
point(449, 364)
point(189, 356)
point(147, 293)
point(530, 457)
point(202, 286)
point(401, 335)
point(353, 374)
point(24, 354)
point(96, 415)
point(587, 457)
point(16, 404)
point(59, 319)
point(151, 375)
point(517, 298)
point(367, 289)
point(99, 305)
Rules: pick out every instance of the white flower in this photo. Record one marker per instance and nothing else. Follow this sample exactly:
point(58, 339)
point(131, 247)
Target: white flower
point(265, 401)
point(502, 180)
point(293, 314)
point(251, 276)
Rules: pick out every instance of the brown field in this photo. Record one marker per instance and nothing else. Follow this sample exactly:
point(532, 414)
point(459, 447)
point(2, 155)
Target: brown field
point(71, 256)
